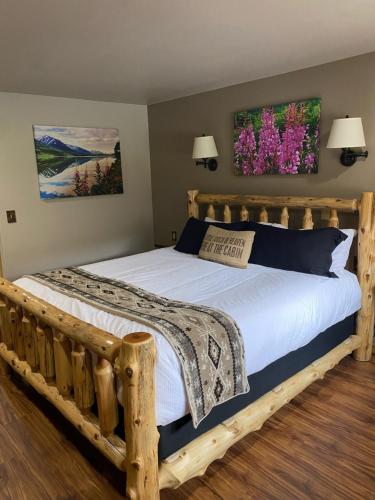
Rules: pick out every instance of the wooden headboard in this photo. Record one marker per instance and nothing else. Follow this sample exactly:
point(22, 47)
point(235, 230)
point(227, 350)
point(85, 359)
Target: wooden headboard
point(364, 208)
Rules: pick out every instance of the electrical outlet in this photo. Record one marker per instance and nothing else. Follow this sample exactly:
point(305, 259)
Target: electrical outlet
point(11, 216)
point(174, 236)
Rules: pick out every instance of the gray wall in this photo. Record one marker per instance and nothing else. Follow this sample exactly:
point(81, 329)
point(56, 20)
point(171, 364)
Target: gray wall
point(72, 231)
point(345, 86)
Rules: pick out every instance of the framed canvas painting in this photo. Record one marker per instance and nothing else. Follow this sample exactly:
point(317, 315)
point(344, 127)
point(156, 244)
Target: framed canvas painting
point(279, 139)
point(77, 161)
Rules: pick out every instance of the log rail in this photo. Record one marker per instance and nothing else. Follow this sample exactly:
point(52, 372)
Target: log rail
point(195, 457)
point(54, 351)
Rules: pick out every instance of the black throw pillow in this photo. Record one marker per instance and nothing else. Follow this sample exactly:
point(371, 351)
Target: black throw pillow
point(306, 251)
point(194, 232)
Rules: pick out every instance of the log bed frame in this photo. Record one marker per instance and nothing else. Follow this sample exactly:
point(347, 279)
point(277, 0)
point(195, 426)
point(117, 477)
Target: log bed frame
point(52, 350)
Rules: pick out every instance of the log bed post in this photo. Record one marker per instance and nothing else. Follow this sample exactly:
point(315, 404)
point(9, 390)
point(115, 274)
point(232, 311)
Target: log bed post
point(137, 363)
point(193, 207)
point(30, 340)
point(106, 397)
point(83, 381)
point(5, 369)
point(62, 349)
point(366, 272)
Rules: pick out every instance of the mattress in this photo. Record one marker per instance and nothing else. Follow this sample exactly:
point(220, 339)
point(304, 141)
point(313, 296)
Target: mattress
point(277, 311)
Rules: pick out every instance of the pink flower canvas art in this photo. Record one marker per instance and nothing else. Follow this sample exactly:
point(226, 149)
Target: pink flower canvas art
point(280, 139)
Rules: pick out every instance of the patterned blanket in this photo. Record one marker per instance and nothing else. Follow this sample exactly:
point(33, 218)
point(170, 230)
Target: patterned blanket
point(207, 342)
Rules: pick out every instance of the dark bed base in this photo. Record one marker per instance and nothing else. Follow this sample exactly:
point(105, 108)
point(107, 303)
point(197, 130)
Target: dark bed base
point(180, 432)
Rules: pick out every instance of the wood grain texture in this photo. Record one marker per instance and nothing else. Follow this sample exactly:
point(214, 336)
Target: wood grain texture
point(192, 205)
point(227, 214)
point(366, 276)
point(345, 205)
point(62, 349)
point(44, 337)
point(263, 215)
point(211, 211)
point(244, 213)
point(307, 222)
point(137, 366)
point(83, 380)
point(284, 216)
point(333, 218)
point(101, 343)
point(106, 396)
point(19, 342)
point(4, 324)
point(319, 446)
point(28, 326)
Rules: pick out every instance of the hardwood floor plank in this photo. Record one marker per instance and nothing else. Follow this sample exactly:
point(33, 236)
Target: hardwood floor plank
point(320, 446)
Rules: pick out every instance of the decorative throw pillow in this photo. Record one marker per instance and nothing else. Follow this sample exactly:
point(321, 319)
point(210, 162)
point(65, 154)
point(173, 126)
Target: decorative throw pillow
point(231, 248)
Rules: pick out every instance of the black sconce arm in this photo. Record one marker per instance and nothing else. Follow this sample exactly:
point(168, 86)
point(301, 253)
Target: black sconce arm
point(349, 157)
point(211, 163)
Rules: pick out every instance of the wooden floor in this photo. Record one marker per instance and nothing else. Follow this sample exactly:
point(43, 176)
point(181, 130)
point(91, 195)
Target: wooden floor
point(320, 446)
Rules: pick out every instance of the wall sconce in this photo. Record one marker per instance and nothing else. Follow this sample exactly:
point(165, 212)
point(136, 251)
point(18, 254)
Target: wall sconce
point(347, 133)
point(205, 149)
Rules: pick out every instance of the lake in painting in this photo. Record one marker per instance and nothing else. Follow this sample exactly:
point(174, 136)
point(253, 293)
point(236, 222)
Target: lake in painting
point(75, 161)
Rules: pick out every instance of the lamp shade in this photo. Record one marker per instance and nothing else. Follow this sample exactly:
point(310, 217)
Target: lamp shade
point(346, 133)
point(204, 147)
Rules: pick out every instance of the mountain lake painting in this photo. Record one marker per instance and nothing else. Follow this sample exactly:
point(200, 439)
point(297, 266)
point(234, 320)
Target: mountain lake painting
point(75, 161)
point(280, 139)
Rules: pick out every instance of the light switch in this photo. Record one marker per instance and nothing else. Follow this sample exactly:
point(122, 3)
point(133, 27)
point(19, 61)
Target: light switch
point(11, 216)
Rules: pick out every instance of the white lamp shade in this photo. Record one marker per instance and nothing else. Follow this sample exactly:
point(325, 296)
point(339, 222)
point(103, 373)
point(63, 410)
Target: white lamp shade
point(346, 133)
point(204, 147)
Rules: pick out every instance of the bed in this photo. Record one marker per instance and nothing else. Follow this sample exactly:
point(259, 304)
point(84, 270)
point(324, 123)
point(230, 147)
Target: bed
point(88, 362)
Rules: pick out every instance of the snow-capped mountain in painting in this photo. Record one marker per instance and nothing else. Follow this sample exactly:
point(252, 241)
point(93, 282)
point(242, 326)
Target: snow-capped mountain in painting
point(58, 145)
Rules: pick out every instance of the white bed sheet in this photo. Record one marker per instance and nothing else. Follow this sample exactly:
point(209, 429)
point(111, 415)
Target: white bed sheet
point(277, 311)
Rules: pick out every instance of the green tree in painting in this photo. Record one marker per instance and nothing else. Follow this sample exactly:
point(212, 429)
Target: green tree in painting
point(78, 183)
point(85, 184)
point(107, 180)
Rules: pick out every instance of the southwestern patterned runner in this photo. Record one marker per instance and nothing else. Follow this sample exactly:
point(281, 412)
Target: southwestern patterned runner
point(207, 342)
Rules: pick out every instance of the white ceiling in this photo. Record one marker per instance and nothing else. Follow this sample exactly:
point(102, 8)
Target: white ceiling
point(147, 51)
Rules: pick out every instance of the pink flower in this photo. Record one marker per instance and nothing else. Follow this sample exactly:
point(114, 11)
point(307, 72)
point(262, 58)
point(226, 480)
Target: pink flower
point(244, 149)
point(269, 143)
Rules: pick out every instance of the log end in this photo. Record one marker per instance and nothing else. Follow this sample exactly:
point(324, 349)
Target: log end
point(138, 338)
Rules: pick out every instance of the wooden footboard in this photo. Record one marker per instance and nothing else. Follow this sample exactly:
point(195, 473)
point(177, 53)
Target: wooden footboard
point(53, 352)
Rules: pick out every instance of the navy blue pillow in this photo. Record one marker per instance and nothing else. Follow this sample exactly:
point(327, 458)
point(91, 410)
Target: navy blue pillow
point(308, 251)
point(195, 230)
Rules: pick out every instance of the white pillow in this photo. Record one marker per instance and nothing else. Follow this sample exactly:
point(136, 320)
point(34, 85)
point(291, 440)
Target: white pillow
point(340, 255)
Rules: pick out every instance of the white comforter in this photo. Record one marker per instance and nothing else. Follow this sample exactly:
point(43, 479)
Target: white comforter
point(277, 311)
